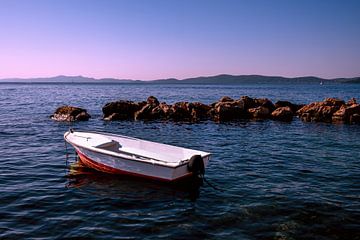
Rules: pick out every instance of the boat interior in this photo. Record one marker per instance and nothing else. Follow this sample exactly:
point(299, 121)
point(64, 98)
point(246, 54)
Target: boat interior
point(113, 146)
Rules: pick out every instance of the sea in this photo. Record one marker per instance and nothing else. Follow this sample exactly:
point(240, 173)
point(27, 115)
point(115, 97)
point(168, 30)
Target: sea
point(265, 180)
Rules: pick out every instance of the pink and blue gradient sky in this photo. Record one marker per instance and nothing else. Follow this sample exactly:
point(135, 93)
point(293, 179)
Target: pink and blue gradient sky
point(140, 39)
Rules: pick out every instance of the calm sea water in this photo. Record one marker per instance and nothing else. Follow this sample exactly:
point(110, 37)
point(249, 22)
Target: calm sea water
point(279, 180)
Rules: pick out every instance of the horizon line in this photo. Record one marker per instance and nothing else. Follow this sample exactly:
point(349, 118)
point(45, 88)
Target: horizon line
point(168, 78)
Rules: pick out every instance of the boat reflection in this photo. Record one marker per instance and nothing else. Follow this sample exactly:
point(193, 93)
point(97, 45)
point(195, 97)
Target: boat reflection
point(84, 178)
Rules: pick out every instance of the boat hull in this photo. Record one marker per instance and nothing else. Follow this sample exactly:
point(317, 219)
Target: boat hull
point(117, 165)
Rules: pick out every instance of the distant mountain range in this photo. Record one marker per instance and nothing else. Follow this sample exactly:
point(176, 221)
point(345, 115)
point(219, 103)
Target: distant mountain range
point(218, 79)
point(66, 79)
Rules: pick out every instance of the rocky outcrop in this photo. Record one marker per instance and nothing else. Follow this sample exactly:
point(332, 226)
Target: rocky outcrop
point(319, 111)
point(330, 110)
point(70, 114)
point(226, 109)
point(229, 109)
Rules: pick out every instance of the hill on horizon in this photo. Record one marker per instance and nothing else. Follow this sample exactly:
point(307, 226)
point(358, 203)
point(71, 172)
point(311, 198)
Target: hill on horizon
point(65, 79)
point(218, 79)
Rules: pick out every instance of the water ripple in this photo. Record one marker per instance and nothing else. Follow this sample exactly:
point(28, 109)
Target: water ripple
point(279, 180)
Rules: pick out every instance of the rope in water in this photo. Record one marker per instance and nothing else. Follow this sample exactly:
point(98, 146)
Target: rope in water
point(211, 184)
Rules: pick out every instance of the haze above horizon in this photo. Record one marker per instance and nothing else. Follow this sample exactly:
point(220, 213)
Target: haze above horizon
point(179, 39)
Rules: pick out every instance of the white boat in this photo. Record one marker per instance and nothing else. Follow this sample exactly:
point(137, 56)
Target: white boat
point(131, 156)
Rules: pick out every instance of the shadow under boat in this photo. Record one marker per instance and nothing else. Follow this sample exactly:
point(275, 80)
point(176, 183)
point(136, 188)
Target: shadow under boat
point(84, 178)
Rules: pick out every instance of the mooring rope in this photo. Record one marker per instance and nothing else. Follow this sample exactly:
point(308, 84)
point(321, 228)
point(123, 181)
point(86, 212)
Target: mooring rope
point(210, 184)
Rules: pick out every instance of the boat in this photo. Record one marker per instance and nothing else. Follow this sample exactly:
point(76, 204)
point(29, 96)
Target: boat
point(118, 154)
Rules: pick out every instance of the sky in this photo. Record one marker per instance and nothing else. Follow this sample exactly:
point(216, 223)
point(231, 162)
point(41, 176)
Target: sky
point(156, 39)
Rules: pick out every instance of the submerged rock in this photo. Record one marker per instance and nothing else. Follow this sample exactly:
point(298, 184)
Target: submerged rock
point(70, 114)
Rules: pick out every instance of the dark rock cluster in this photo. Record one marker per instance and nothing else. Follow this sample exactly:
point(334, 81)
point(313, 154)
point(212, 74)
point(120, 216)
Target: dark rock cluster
point(226, 109)
point(70, 114)
point(152, 109)
point(331, 110)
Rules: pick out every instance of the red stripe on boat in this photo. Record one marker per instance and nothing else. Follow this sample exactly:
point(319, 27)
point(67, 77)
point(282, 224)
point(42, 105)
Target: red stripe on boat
point(103, 168)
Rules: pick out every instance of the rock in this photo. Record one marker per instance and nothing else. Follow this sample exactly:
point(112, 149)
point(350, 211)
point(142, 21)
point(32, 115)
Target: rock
point(114, 117)
point(83, 116)
point(226, 99)
point(180, 112)
point(165, 108)
point(293, 107)
point(152, 101)
point(334, 102)
point(225, 111)
point(352, 101)
point(257, 102)
point(345, 113)
point(70, 114)
point(259, 112)
point(199, 111)
point(318, 114)
point(149, 112)
point(157, 113)
point(264, 102)
point(248, 102)
point(330, 110)
point(121, 110)
point(284, 114)
point(320, 111)
point(340, 116)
